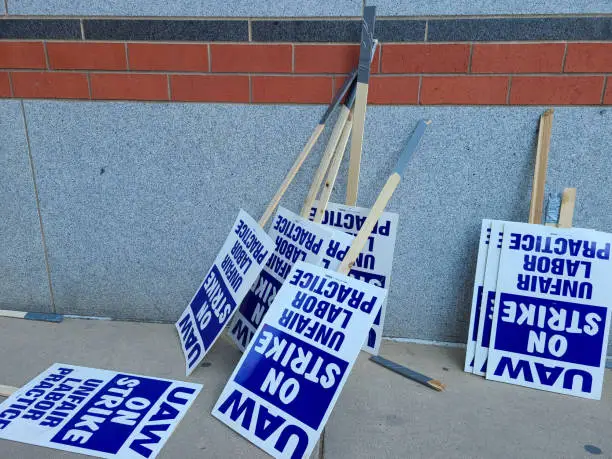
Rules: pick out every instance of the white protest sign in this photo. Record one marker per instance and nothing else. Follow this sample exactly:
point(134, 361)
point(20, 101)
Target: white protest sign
point(241, 259)
point(96, 412)
point(295, 239)
point(375, 262)
point(488, 298)
point(283, 390)
point(481, 262)
point(552, 309)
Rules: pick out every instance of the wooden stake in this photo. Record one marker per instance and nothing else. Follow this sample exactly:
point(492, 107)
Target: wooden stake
point(325, 160)
point(383, 198)
point(333, 172)
point(7, 391)
point(363, 77)
point(306, 151)
point(539, 176)
point(568, 202)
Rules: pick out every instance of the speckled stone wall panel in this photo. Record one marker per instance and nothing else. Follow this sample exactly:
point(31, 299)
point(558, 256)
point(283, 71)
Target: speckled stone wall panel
point(488, 7)
point(24, 283)
point(202, 8)
point(137, 198)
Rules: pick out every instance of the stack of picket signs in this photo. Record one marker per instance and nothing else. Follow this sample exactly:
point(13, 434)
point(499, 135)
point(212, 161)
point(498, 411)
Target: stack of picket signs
point(301, 301)
point(541, 307)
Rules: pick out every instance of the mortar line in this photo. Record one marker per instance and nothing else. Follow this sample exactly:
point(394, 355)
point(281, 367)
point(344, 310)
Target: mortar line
point(603, 91)
point(6, 7)
point(564, 57)
point(250, 89)
point(208, 51)
point(10, 77)
point(82, 29)
point(88, 76)
point(169, 88)
point(46, 53)
point(292, 57)
point(40, 221)
point(250, 30)
point(470, 58)
point(509, 89)
point(419, 90)
point(127, 57)
point(426, 30)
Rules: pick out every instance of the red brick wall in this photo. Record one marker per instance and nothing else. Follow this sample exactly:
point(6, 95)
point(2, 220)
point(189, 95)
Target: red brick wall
point(543, 73)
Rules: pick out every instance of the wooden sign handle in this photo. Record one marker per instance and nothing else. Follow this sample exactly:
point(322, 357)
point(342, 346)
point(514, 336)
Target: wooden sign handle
point(568, 202)
point(325, 160)
point(536, 207)
point(363, 76)
point(333, 172)
point(290, 175)
point(383, 198)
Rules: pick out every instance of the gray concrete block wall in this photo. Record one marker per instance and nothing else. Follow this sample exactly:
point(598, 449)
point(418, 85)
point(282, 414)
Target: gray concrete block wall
point(308, 8)
point(24, 282)
point(136, 198)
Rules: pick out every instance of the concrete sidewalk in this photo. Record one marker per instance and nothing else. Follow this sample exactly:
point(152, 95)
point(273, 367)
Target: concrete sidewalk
point(379, 414)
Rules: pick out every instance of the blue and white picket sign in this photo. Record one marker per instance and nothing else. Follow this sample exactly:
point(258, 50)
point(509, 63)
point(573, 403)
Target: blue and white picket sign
point(375, 262)
point(481, 262)
point(295, 239)
point(96, 412)
point(283, 390)
point(552, 309)
point(488, 298)
point(242, 257)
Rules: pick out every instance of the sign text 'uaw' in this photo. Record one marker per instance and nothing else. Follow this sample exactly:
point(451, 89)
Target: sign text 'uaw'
point(283, 390)
point(96, 412)
point(552, 309)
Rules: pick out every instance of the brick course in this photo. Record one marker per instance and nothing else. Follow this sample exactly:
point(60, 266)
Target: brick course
point(542, 73)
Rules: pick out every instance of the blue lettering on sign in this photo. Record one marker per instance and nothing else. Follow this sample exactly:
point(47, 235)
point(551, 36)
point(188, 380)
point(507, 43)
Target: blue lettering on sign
point(477, 314)
point(291, 374)
point(109, 418)
point(161, 421)
point(488, 319)
point(256, 418)
point(258, 300)
point(535, 372)
point(555, 330)
point(212, 306)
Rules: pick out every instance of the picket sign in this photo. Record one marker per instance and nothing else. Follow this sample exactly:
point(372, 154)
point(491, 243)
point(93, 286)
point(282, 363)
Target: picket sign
point(295, 238)
point(483, 295)
point(375, 263)
point(243, 255)
point(363, 78)
point(477, 295)
point(100, 413)
point(488, 296)
point(284, 388)
point(552, 309)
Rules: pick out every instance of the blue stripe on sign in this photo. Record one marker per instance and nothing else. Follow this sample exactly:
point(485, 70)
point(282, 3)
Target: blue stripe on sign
point(110, 417)
point(291, 374)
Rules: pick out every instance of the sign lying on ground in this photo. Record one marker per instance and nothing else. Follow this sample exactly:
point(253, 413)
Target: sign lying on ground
point(487, 303)
point(552, 309)
point(96, 412)
point(295, 239)
point(283, 390)
point(242, 257)
point(481, 262)
point(375, 262)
